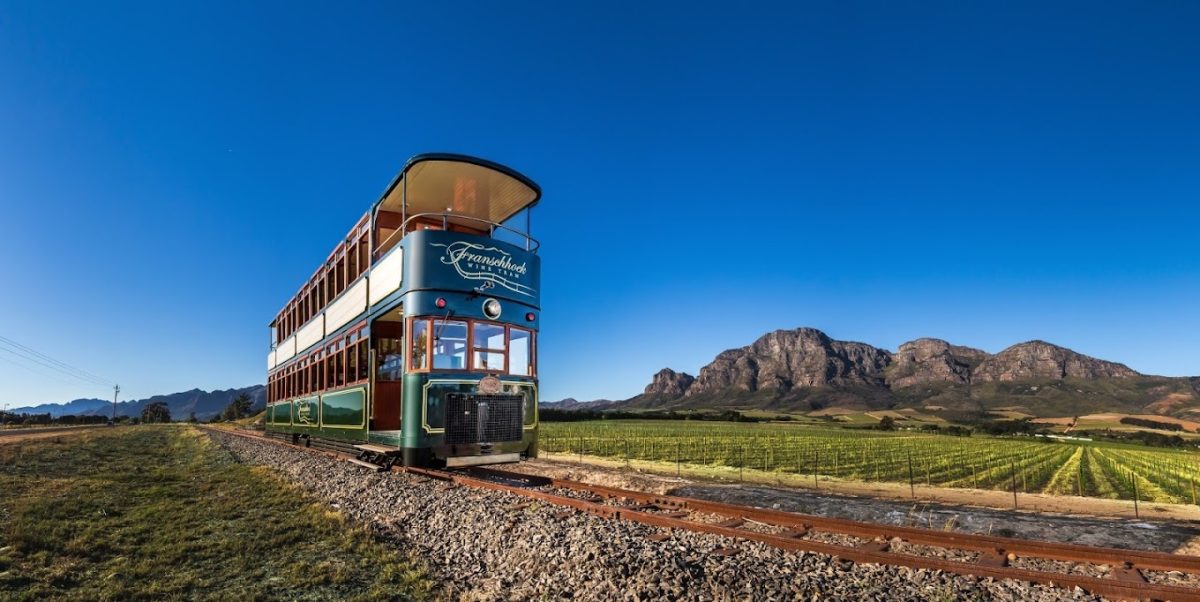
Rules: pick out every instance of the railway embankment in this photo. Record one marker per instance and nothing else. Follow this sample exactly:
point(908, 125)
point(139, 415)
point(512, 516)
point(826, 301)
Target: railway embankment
point(492, 545)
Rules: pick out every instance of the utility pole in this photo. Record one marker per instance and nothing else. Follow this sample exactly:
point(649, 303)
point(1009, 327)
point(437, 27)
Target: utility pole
point(116, 391)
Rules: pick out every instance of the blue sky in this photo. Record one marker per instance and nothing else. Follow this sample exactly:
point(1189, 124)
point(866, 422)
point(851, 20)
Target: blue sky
point(986, 173)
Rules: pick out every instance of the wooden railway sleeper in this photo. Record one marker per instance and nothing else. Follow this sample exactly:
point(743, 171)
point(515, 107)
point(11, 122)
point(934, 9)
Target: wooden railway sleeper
point(1128, 574)
point(997, 558)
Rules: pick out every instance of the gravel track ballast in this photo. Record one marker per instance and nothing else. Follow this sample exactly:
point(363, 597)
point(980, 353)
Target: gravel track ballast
point(489, 545)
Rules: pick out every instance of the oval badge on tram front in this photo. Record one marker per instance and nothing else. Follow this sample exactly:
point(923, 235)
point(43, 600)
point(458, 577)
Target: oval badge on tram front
point(489, 385)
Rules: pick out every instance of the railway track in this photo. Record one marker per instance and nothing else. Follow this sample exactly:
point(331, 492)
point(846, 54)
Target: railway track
point(1110, 572)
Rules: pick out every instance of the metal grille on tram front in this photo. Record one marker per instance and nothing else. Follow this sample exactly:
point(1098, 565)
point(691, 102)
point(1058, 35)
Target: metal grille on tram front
point(472, 418)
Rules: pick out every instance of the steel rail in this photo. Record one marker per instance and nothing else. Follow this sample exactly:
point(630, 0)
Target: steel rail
point(1124, 582)
point(981, 543)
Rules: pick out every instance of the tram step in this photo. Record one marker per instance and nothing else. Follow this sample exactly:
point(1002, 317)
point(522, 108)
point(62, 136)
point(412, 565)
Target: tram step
point(374, 467)
point(378, 449)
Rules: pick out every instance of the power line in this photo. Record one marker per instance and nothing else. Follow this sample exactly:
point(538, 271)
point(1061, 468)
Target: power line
point(38, 357)
point(58, 370)
point(62, 364)
point(45, 374)
point(44, 364)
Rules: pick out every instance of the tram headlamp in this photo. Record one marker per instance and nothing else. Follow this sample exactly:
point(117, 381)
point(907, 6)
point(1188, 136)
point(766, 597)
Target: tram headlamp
point(491, 309)
point(529, 317)
point(440, 303)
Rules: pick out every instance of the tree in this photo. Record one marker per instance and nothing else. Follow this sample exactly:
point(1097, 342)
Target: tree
point(192, 418)
point(156, 412)
point(887, 424)
point(238, 408)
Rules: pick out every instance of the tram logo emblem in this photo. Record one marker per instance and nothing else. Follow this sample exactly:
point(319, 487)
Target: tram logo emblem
point(490, 385)
point(474, 261)
point(304, 411)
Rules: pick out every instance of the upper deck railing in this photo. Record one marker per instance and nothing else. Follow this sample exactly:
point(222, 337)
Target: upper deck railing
point(531, 244)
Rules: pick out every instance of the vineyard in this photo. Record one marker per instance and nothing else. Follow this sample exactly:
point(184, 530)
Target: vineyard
point(1026, 464)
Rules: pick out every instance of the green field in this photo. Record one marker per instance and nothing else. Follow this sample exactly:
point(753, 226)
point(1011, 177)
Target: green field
point(162, 513)
point(1032, 465)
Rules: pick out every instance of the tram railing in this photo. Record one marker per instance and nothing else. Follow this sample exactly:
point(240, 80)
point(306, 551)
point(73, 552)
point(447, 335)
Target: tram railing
point(531, 243)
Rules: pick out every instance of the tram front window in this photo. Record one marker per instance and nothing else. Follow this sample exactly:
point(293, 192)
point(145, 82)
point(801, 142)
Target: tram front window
point(449, 345)
point(519, 356)
point(489, 347)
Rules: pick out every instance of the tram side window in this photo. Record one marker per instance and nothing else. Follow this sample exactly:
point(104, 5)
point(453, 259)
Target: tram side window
point(391, 358)
point(310, 375)
point(301, 382)
point(319, 368)
point(449, 345)
point(420, 345)
point(364, 356)
point(330, 379)
point(351, 360)
point(520, 356)
point(339, 366)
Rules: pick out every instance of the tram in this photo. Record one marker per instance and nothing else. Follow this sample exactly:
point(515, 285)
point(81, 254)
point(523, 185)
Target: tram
point(415, 342)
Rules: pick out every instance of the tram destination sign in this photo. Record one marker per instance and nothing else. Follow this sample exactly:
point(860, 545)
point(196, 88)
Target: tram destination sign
point(455, 261)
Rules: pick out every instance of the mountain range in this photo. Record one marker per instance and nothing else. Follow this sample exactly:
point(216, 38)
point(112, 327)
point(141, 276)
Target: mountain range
point(804, 370)
point(205, 404)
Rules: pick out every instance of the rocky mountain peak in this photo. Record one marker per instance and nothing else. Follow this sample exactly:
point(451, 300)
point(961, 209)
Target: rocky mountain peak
point(786, 359)
point(933, 360)
point(1041, 360)
point(669, 383)
point(803, 369)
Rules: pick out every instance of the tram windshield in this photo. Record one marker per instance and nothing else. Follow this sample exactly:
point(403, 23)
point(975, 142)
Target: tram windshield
point(475, 345)
point(449, 345)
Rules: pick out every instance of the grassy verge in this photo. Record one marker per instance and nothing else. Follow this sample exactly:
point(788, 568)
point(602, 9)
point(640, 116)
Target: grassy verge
point(162, 513)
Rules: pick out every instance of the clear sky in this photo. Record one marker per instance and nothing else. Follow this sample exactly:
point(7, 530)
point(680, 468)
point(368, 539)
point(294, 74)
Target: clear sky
point(986, 173)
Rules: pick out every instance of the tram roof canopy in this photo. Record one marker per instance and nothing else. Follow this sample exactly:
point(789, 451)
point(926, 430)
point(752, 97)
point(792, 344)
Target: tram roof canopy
point(458, 184)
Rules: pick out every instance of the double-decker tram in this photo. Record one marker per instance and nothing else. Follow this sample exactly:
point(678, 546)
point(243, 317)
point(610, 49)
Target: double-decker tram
point(416, 340)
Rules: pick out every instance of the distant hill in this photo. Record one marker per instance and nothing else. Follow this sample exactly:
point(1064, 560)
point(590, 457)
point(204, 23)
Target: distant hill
point(205, 404)
point(805, 370)
point(571, 403)
point(75, 407)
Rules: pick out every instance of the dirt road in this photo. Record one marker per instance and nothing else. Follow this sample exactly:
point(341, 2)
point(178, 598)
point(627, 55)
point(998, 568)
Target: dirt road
point(15, 435)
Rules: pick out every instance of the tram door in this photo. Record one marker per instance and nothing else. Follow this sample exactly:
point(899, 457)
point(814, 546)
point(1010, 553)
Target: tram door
point(388, 339)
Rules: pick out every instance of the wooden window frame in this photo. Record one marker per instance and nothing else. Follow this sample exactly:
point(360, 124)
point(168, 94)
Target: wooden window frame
point(471, 349)
point(532, 350)
point(471, 344)
point(408, 347)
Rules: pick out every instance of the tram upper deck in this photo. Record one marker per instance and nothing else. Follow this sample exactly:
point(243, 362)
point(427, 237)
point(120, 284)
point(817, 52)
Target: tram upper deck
point(441, 192)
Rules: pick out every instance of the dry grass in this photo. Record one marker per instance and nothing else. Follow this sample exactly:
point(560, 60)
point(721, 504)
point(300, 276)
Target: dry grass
point(158, 513)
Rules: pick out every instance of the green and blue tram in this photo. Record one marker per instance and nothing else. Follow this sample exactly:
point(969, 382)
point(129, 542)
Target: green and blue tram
point(415, 342)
